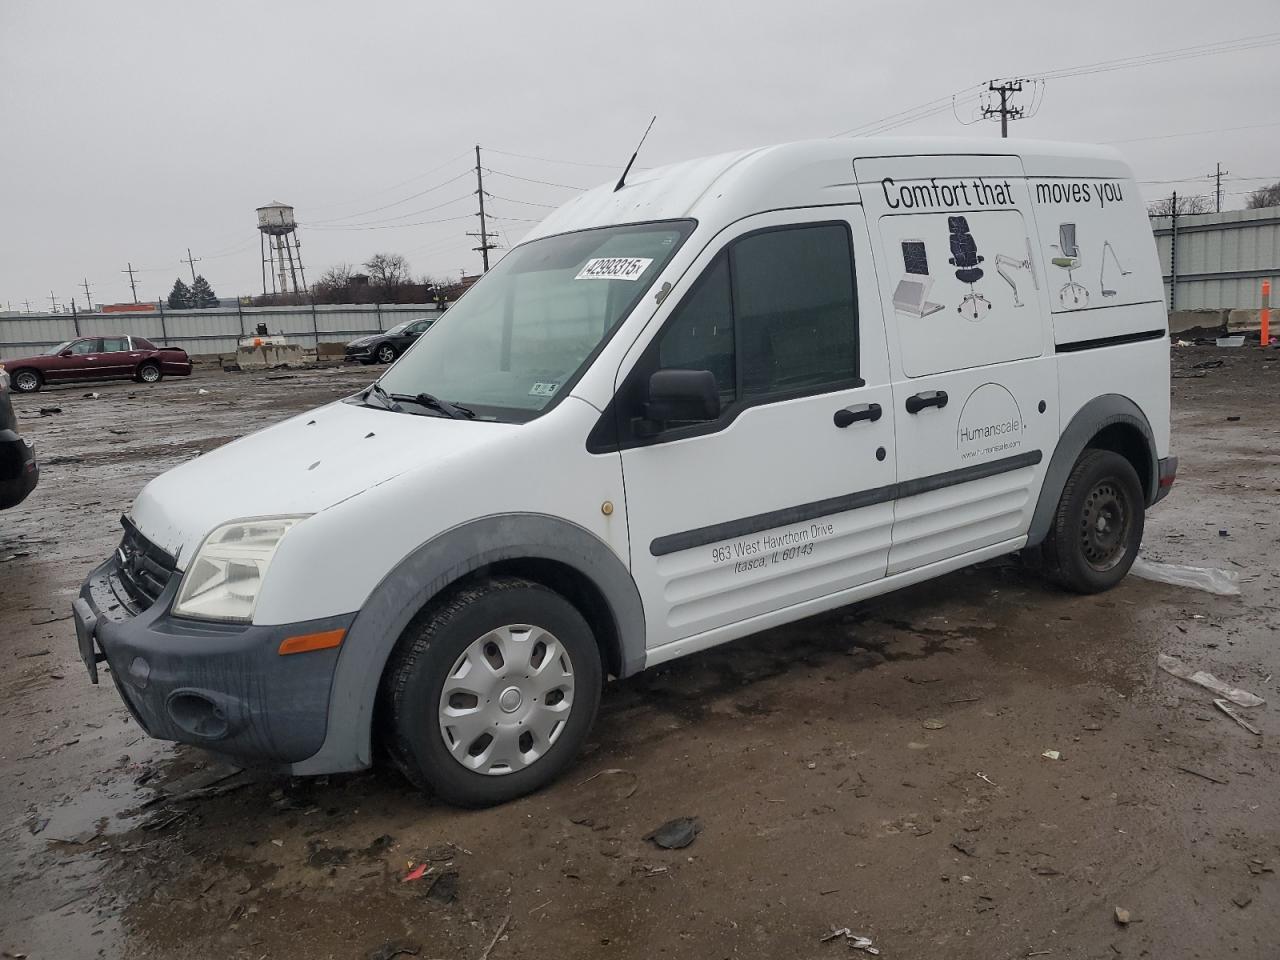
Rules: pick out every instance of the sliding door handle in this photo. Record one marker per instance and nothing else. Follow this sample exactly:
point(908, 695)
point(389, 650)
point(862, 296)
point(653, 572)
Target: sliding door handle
point(929, 398)
point(863, 411)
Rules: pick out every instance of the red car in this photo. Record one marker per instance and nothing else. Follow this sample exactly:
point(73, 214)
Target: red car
point(99, 358)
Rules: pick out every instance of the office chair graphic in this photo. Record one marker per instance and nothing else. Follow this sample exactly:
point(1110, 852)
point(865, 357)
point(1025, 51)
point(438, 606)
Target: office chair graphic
point(1005, 262)
point(965, 258)
point(1102, 268)
point(1072, 294)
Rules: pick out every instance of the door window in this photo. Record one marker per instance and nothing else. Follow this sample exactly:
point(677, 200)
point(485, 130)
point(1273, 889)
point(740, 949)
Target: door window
point(82, 347)
point(774, 316)
point(114, 344)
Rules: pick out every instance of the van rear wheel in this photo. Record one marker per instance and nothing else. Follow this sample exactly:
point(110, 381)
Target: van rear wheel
point(491, 692)
point(1097, 528)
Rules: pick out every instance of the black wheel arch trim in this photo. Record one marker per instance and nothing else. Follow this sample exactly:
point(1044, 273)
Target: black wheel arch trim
point(423, 575)
point(1089, 421)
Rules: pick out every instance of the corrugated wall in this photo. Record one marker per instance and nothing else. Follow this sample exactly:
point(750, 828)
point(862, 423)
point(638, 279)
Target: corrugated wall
point(206, 331)
point(1222, 258)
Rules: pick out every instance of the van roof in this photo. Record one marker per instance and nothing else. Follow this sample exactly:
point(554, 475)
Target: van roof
point(728, 186)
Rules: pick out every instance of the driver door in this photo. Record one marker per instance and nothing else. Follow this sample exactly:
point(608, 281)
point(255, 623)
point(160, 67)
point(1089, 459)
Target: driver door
point(82, 363)
point(786, 496)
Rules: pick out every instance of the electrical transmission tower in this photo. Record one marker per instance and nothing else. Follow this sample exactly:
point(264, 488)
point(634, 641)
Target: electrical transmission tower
point(1006, 111)
point(483, 235)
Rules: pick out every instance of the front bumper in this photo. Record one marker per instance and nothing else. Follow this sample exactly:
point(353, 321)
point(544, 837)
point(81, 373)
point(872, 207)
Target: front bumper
point(358, 354)
point(19, 471)
point(220, 686)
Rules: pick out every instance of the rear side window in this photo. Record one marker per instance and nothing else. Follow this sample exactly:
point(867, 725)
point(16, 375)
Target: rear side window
point(114, 344)
point(139, 343)
point(774, 316)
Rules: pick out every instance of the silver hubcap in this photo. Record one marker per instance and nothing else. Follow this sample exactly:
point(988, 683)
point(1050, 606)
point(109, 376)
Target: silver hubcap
point(25, 381)
point(506, 700)
point(386, 355)
point(150, 374)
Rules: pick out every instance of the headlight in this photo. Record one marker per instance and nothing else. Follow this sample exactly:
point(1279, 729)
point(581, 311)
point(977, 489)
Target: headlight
point(224, 577)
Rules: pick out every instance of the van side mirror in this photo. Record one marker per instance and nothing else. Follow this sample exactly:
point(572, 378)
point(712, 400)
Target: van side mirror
point(687, 396)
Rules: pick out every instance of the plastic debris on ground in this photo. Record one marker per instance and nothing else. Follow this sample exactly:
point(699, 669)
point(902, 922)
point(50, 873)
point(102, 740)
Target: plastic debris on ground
point(1225, 583)
point(1225, 707)
point(1122, 916)
point(1236, 341)
point(676, 834)
point(1175, 667)
point(855, 941)
point(1052, 755)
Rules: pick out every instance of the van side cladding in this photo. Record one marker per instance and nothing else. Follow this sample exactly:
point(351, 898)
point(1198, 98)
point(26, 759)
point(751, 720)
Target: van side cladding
point(725, 395)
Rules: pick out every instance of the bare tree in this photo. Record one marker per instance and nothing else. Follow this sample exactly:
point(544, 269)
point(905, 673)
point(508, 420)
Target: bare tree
point(1186, 205)
point(1264, 197)
point(389, 270)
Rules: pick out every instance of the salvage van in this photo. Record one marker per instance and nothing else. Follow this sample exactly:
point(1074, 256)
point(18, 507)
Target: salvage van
point(725, 395)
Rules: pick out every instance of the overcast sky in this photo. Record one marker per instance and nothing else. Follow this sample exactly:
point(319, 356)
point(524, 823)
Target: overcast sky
point(130, 131)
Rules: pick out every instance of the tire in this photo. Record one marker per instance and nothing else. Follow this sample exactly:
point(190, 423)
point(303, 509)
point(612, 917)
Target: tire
point(26, 381)
point(385, 353)
point(481, 631)
point(148, 373)
point(1097, 528)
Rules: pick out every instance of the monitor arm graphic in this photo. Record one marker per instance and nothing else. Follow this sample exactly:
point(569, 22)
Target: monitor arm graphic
point(1005, 262)
point(1102, 268)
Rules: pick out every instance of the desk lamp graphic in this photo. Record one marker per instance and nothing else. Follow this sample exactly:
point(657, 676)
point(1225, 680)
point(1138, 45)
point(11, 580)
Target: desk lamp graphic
point(1102, 268)
point(965, 258)
point(1072, 294)
point(911, 295)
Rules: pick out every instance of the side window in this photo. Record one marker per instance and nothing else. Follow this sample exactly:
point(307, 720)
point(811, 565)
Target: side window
point(142, 343)
point(795, 309)
point(82, 347)
point(114, 344)
point(700, 334)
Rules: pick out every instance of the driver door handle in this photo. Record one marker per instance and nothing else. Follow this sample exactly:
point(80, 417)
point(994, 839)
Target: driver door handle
point(929, 398)
point(863, 411)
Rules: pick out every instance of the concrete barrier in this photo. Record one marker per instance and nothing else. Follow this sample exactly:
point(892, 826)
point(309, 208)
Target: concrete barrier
point(269, 355)
point(1182, 321)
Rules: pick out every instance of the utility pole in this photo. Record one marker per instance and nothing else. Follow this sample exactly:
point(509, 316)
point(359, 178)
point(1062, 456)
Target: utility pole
point(133, 286)
point(1005, 111)
point(485, 245)
point(191, 263)
point(1173, 253)
point(53, 301)
point(27, 305)
point(88, 298)
point(1217, 190)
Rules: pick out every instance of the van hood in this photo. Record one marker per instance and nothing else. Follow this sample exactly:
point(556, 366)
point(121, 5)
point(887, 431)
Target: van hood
point(300, 466)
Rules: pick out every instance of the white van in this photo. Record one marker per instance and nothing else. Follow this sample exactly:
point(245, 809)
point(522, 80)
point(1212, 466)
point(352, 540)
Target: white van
point(732, 393)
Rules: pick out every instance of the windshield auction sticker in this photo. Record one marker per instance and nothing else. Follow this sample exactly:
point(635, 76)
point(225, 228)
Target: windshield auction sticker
point(614, 268)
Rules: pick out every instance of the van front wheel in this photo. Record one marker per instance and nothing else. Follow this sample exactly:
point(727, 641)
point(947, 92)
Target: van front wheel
point(491, 692)
point(1098, 526)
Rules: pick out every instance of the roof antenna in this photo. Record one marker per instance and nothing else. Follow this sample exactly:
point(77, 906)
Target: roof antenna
point(622, 180)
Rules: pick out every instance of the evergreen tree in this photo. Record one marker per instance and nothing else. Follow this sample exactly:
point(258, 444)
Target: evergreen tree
point(202, 294)
point(179, 296)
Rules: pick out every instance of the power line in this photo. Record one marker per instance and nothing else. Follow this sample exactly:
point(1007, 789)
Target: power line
point(571, 163)
point(528, 203)
point(545, 183)
point(389, 220)
point(394, 186)
point(394, 203)
point(1197, 133)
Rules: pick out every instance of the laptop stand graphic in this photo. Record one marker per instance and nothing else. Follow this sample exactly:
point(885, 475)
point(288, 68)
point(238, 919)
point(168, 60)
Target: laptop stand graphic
point(911, 295)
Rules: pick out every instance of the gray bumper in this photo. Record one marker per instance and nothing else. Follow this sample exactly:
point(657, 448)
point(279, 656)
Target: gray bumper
point(222, 687)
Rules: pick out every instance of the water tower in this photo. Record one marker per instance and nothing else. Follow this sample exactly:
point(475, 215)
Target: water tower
point(281, 253)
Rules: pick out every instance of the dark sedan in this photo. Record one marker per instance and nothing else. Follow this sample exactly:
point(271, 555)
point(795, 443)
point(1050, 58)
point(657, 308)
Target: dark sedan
point(18, 470)
point(385, 347)
point(99, 358)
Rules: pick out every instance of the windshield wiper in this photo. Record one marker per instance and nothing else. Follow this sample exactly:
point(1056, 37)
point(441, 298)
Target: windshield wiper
point(387, 400)
point(455, 411)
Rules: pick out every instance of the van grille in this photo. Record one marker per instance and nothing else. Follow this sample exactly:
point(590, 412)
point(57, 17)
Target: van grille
point(144, 569)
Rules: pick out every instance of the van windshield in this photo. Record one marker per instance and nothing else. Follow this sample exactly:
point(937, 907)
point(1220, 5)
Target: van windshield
point(531, 324)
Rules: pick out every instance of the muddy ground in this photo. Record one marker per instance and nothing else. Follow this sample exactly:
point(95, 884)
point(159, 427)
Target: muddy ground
point(878, 768)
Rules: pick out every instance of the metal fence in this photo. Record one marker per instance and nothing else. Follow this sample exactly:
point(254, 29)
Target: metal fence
point(216, 330)
point(1218, 260)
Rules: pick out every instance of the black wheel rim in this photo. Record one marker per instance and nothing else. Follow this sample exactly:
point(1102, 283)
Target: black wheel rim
point(1104, 526)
